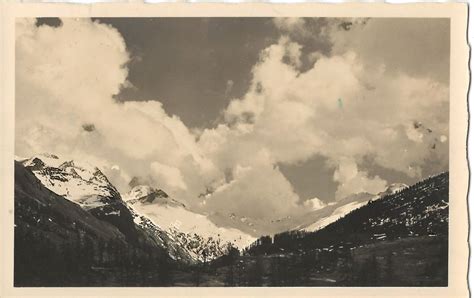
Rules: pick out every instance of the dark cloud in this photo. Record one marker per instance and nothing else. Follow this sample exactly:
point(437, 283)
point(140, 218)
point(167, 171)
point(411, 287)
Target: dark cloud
point(89, 127)
point(307, 32)
point(53, 22)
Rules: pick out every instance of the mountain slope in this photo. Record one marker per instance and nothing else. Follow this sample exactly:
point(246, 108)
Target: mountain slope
point(317, 215)
point(336, 210)
point(148, 215)
point(419, 210)
point(79, 182)
point(35, 205)
point(89, 188)
point(194, 232)
point(86, 186)
point(398, 240)
point(54, 233)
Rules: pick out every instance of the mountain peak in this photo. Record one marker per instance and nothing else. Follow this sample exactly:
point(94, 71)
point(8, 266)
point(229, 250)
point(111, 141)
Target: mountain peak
point(40, 160)
point(35, 164)
point(78, 182)
point(146, 194)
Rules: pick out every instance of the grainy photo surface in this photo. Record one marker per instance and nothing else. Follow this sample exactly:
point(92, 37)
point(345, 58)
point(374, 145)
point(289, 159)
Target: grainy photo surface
point(231, 152)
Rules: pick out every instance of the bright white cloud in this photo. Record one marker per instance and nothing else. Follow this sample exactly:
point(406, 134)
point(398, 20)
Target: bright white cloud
point(342, 109)
point(66, 77)
point(169, 175)
point(257, 191)
point(314, 204)
point(353, 181)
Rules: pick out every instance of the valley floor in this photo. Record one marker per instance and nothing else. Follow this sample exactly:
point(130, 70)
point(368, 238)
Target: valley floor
point(414, 261)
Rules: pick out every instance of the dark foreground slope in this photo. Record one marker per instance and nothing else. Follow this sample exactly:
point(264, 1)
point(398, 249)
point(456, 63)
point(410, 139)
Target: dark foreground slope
point(419, 210)
point(398, 240)
point(57, 243)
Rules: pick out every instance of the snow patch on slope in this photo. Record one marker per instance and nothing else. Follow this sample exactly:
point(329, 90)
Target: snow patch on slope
point(338, 213)
point(348, 205)
point(81, 183)
point(203, 239)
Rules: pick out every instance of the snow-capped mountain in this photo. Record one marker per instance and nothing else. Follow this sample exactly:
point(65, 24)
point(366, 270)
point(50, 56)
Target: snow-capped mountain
point(59, 241)
point(150, 213)
point(420, 210)
point(81, 183)
point(145, 194)
point(37, 206)
point(88, 187)
point(336, 210)
point(144, 212)
point(318, 215)
point(193, 231)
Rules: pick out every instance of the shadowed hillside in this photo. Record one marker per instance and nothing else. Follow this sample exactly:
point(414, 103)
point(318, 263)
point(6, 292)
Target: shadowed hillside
point(398, 240)
point(57, 243)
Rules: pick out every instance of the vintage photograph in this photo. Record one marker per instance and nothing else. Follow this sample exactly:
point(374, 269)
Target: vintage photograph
point(231, 152)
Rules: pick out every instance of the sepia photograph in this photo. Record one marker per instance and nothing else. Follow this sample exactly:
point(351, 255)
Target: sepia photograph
point(232, 152)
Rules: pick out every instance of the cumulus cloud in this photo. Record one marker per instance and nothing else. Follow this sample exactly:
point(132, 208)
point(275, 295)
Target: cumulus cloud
point(345, 107)
point(257, 191)
point(66, 78)
point(290, 24)
point(353, 181)
point(170, 175)
point(314, 204)
point(341, 108)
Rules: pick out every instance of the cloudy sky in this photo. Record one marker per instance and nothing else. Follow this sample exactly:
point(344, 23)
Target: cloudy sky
point(253, 116)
